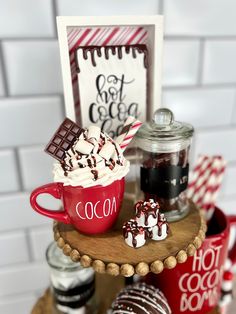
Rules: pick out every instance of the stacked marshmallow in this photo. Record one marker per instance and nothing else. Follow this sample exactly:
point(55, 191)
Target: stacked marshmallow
point(148, 223)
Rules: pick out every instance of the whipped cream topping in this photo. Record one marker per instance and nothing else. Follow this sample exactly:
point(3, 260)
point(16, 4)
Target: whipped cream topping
point(93, 159)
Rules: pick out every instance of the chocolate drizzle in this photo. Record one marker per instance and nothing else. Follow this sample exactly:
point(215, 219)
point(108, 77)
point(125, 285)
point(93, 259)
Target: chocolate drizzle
point(140, 298)
point(149, 208)
point(95, 174)
point(132, 227)
point(119, 50)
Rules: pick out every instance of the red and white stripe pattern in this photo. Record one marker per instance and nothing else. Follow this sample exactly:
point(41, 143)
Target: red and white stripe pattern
point(205, 182)
point(100, 36)
point(130, 128)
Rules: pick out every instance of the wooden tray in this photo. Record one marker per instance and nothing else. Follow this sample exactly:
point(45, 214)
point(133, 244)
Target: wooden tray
point(109, 253)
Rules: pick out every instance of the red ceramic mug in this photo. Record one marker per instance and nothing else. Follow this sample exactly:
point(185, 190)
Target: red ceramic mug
point(195, 286)
point(91, 210)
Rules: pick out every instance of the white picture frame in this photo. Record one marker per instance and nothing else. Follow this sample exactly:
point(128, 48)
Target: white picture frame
point(153, 24)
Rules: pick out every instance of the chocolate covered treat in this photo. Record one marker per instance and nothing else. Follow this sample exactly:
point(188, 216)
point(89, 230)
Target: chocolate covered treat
point(147, 213)
point(135, 236)
point(140, 298)
point(160, 230)
point(148, 223)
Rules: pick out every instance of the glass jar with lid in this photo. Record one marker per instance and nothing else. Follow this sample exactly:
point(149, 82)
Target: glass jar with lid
point(72, 285)
point(163, 146)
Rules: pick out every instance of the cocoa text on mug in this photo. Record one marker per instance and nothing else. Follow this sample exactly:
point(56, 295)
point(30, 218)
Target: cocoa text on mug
point(100, 209)
point(198, 287)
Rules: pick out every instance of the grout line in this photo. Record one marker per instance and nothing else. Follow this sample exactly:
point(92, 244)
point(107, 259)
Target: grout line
point(19, 172)
point(4, 73)
point(197, 86)
point(34, 145)
point(201, 62)
point(216, 128)
point(54, 14)
point(29, 245)
point(40, 38)
point(161, 7)
point(31, 96)
point(33, 227)
point(206, 37)
point(12, 296)
point(233, 123)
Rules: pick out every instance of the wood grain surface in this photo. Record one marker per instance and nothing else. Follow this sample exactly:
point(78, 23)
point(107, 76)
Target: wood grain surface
point(184, 238)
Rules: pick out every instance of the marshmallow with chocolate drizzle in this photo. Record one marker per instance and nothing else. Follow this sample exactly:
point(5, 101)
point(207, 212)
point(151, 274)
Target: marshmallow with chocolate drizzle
point(135, 236)
point(160, 230)
point(140, 298)
point(147, 213)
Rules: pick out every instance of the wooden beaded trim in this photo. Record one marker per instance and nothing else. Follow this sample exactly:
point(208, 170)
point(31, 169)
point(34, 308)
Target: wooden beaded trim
point(128, 270)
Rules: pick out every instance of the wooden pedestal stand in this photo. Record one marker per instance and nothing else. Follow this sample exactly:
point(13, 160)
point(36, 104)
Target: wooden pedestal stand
point(108, 253)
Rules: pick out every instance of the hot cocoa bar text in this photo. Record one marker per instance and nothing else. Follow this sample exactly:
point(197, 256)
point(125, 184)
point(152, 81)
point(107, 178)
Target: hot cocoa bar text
point(110, 105)
point(201, 285)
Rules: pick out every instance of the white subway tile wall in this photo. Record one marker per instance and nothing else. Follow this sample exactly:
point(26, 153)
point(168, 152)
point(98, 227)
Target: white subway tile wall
point(199, 86)
point(200, 18)
point(38, 61)
point(35, 176)
point(181, 59)
point(26, 19)
point(40, 239)
point(106, 7)
point(202, 106)
point(35, 119)
point(9, 179)
point(218, 61)
point(10, 242)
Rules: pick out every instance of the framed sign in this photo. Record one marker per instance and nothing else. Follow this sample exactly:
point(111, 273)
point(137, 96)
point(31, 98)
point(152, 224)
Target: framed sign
point(111, 68)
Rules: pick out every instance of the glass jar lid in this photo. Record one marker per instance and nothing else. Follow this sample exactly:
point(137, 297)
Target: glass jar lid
point(163, 134)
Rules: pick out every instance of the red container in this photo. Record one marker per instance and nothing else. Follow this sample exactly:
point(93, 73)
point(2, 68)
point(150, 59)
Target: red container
point(91, 210)
point(195, 286)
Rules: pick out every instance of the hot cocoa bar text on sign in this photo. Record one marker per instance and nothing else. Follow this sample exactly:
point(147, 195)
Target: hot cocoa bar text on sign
point(112, 85)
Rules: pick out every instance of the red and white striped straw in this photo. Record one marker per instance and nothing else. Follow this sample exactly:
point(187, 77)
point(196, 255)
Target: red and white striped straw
point(206, 181)
point(130, 128)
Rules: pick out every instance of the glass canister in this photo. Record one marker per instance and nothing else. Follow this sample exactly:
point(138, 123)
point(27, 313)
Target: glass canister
point(163, 162)
point(72, 285)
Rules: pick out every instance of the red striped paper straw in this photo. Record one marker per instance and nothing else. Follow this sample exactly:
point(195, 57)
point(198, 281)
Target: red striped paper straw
point(130, 128)
point(206, 181)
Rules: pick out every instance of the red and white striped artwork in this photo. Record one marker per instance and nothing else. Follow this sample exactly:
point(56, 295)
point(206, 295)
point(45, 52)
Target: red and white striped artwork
point(100, 36)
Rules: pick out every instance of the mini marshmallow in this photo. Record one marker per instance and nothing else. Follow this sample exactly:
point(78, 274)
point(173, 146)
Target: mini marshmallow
point(84, 147)
point(135, 236)
point(159, 231)
point(94, 132)
point(146, 222)
point(107, 150)
point(147, 213)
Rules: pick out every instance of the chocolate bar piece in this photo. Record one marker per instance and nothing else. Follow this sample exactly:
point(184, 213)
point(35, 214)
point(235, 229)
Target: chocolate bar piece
point(63, 139)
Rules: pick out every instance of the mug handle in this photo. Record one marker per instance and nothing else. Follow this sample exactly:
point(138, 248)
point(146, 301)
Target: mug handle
point(55, 190)
point(232, 252)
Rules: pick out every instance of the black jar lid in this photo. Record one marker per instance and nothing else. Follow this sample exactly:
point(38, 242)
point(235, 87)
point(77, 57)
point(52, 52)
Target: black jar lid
point(163, 134)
